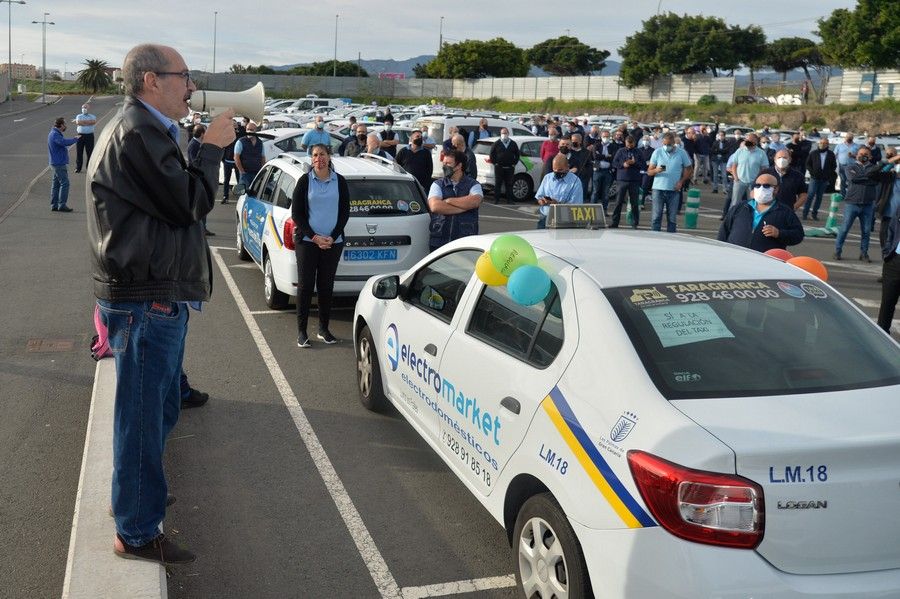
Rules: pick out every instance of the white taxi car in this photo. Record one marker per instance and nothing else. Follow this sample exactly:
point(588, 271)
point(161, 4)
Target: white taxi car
point(528, 171)
point(677, 418)
point(387, 230)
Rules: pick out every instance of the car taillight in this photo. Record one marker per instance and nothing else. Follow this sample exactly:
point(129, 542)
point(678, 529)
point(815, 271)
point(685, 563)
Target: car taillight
point(704, 507)
point(287, 234)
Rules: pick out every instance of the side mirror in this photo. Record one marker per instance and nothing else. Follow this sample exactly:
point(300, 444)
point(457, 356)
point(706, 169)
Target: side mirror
point(387, 288)
point(239, 189)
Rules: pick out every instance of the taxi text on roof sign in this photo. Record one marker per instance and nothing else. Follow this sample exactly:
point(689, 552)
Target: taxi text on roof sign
point(576, 216)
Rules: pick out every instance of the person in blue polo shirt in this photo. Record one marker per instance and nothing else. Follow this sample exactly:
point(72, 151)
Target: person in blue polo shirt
point(558, 187)
point(85, 123)
point(671, 167)
point(316, 136)
point(58, 147)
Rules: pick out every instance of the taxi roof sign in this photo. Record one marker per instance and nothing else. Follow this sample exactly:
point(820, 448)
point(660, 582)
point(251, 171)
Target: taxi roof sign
point(576, 216)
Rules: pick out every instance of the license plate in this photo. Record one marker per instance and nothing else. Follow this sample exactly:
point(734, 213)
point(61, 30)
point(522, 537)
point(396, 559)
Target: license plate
point(364, 255)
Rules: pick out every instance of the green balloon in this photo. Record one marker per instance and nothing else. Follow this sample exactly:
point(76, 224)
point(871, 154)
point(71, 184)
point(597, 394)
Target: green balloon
point(509, 252)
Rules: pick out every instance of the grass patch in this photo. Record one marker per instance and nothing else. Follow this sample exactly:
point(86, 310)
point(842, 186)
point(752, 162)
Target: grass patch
point(61, 88)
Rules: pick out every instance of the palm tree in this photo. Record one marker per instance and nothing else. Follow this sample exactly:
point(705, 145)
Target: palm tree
point(95, 75)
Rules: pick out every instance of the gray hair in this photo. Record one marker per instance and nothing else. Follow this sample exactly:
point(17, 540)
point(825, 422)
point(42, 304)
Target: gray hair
point(146, 58)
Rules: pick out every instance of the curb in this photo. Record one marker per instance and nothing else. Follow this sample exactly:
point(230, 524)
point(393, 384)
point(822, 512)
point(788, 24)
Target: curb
point(93, 571)
point(31, 108)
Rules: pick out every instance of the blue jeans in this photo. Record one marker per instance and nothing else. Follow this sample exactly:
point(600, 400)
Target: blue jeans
point(842, 173)
point(739, 191)
point(59, 192)
point(246, 179)
point(601, 181)
point(864, 212)
point(814, 197)
point(147, 342)
point(719, 175)
point(669, 199)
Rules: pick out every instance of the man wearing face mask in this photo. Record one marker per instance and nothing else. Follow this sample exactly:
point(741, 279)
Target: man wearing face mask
point(845, 153)
point(775, 142)
point(558, 187)
point(84, 127)
point(765, 147)
point(821, 165)
point(671, 168)
point(504, 156)
point(416, 160)
point(799, 149)
point(863, 178)
point(453, 201)
point(580, 163)
point(602, 169)
point(388, 137)
point(629, 165)
point(762, 224)
point(748, 161)
point(791, 182)
point(645, 151)
point(314, 136)
point(248, 155)
point(357, 145)
point(870, 143)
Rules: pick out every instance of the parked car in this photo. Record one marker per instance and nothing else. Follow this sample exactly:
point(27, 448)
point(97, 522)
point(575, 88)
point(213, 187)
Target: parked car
point(527, 177)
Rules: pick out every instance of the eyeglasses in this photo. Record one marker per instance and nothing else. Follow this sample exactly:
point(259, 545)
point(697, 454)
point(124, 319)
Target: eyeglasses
point(186, 75)
point(763, 185)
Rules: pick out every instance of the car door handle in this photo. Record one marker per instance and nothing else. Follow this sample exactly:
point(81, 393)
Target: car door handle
point(512, 404)
point(431, 349)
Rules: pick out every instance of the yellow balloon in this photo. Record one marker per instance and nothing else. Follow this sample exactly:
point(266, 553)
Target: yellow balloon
point(487, 273)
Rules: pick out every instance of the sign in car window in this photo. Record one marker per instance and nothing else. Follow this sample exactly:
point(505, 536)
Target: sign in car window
point(752, 338)
point(385, 198)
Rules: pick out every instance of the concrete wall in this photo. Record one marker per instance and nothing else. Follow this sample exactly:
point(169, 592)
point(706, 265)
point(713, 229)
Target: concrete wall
point(866, 86)
point(688, 88)
point(4, 88)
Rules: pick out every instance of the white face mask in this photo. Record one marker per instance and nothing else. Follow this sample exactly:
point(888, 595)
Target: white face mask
point(84, 111)
point(897, 168)
point(504, 137)
point(781, 162)
point(764, 145)
point(763, 195)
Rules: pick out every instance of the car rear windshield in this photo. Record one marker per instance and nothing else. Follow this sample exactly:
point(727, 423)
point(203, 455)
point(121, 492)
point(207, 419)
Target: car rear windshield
point(746, 338)
point(483, 147)
point(385, 197)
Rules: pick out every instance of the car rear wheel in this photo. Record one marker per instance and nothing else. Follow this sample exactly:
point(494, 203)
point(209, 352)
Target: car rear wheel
point(549, 560)
point(371, 391)
point(276, 300)
point(522, 187)
point(239, 243)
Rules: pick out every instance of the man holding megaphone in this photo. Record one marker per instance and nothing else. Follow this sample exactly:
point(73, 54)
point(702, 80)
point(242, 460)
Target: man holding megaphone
point(150, 263)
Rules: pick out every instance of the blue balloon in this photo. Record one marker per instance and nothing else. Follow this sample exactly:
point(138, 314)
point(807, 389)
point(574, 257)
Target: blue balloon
point(528, 285)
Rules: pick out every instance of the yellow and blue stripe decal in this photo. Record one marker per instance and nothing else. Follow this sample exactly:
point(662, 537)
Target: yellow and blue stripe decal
point(275, 234)
point(609, 485)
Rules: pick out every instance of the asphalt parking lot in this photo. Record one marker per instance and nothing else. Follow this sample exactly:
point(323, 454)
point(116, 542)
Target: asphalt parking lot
point(286, 485)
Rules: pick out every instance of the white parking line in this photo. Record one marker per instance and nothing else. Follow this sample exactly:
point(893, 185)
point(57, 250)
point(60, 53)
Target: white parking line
point(460, 586)
point(263, 312)
point(867, 303)
point(378, 568)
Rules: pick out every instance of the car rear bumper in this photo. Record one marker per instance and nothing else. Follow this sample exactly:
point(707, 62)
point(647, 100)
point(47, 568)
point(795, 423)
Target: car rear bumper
point(650, 562)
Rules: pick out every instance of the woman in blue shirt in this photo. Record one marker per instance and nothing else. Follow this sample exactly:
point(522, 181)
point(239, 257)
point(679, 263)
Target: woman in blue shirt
point(320, 210)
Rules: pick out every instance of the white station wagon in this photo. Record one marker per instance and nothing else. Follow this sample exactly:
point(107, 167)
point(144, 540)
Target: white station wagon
point(387, 230)
point(676, 418)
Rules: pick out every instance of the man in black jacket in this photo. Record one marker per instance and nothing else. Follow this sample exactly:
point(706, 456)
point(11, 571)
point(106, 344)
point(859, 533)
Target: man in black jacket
point(822, 167)
point(863, 179)
point(504, 157)
point(417, 160)
point(890, 274)
point(150, 262)
point(762, 224)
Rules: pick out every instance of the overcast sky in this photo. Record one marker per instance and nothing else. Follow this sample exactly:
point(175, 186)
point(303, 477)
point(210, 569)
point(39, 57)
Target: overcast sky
point(285, 32)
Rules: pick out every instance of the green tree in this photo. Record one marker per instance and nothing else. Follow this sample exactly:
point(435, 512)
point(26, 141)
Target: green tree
point(670, 44)
point(95, 75)
point(345, 68)
point(252, 70)
point(472, 59)
point(565, 55)
point(788, 53)
point(867, 37)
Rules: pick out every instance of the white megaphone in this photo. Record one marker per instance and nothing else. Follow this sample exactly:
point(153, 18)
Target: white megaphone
point(248, 103)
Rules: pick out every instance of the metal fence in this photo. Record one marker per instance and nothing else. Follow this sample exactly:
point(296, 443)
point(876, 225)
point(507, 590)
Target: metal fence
point(865, 86)
point(687, 88)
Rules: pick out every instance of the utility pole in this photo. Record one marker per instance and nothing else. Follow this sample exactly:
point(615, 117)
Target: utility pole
point(215, 30)
point(334, 68)
point(44, 24)
point(9, 4)
point(441, 36)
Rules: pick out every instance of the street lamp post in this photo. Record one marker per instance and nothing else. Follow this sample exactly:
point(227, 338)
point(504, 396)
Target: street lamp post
point(441, 35)
point(44, 22)
point(334, 67)
point(215, 30)
point(9, 4)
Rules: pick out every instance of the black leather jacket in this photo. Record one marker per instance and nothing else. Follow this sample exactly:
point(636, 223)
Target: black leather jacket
point(144, 205)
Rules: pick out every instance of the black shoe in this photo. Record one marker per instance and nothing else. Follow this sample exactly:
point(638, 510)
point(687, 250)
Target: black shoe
point(160, 550)
point(302, 340)
point(327, 337)
point(722, 217)
point(195, 399)
point(170, 499)
point(836, 255)
point(224, 200)
point(77, 170)
point(64, 209)
point(815, 217)
point(864, 258)
point(54, 209)
point(209, 233)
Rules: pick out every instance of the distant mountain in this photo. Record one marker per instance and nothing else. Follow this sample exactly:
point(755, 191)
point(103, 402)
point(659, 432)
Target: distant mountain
point(373, 67)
